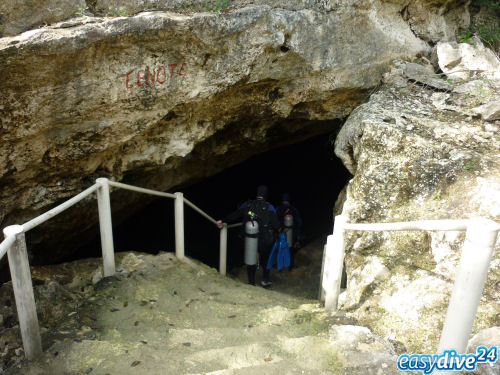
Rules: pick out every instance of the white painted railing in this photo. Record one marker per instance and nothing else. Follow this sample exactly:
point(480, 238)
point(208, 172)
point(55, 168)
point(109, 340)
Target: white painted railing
point(481, 236)
point(14, 245)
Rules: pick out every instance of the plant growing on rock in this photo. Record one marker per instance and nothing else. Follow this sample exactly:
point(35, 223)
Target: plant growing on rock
point(486, 28)
point(470, 165)
point(217, 6)
point(122, 12)
point(81, 11)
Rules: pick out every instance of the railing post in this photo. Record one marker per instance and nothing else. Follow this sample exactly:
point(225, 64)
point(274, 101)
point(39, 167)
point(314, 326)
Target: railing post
point(321, 292)
point(332, 276)
point(223, 250)
point(106, 227)
point(23, 292)
point(477, 250)
point(179, 225)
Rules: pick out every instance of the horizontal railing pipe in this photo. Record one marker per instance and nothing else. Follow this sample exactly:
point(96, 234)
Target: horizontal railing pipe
point(141, 190)
point(58, 209)
point(440, 225)
point(202, 213)
point(6, 244)
point(234, 225)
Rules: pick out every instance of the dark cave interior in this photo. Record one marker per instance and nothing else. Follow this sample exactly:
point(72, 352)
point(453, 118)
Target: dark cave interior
point(309, 171)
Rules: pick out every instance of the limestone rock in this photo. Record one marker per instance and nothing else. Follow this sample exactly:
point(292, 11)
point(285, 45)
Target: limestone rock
point(358, 345)
point(17, 16)
point(417, 154)
point(489, 111)
point(435, 21)
point(421, 74)
point(464, 61)
point(161, 99)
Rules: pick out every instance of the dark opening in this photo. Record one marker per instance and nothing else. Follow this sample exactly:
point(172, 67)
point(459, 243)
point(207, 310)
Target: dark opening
point(308, 171)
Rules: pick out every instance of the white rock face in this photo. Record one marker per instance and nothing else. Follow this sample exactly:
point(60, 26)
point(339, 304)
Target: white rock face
point(417, 153)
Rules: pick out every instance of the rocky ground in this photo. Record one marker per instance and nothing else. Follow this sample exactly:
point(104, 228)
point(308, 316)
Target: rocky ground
point(162, 316)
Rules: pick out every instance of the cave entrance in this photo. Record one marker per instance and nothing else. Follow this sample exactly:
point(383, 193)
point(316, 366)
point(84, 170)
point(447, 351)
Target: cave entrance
point(309, 171)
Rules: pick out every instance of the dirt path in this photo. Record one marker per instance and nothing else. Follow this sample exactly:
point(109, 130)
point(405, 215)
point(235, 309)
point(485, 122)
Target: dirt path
point(159, 315)
point(303, 280)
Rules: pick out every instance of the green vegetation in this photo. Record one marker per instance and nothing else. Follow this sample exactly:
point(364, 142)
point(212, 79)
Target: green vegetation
point(493, 4)
point(470, 165)
point(120, 12)
point(437, 196)
point(487, 29)
point(217, 6)
point(81, 12)
point(466, 36)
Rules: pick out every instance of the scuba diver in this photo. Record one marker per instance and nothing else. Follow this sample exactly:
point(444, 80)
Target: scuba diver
point(261, 226)
point(291, 221)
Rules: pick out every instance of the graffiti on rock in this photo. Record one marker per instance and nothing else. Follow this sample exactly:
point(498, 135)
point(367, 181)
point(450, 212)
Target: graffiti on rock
point(151, 77)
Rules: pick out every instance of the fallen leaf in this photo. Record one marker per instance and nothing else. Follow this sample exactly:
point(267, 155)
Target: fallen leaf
point(268, 359)
point(135, 363)
point(125, 304)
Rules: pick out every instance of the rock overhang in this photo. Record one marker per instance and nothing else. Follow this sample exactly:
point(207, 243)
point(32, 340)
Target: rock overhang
point(148, 98)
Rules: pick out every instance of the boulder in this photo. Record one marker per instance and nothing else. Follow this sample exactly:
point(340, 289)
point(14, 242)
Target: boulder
point(464, 61)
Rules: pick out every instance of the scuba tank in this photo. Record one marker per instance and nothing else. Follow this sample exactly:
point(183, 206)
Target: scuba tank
point(288, 224)
point(251, 242)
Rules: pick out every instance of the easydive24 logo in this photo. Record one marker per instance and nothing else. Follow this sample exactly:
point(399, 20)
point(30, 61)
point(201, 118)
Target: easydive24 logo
point(448, 361)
